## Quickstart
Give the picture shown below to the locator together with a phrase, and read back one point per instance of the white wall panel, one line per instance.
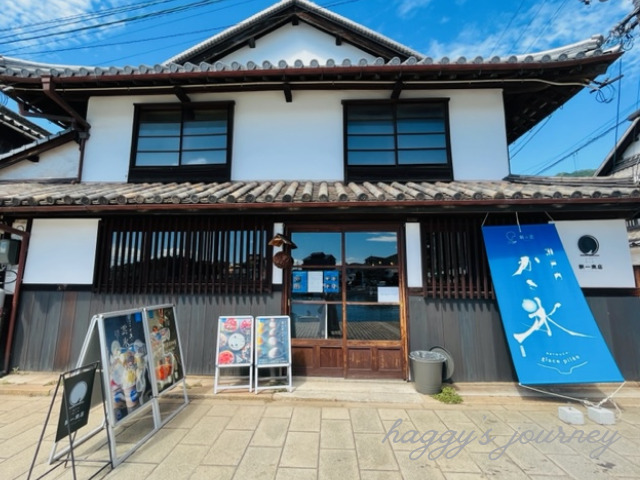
(300, 42)
(61, 251)
(60, 162)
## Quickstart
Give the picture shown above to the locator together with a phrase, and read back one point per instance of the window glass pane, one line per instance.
(363, 285)
(372, 158)
(158, 144)
(371, 248)
(162, 159)
(422, 157)
(420, 125)
(316, 248)
(205, 157)
(206, 127)
(420, 110)
(371, 142)
(159, 129)
(370, 127)
(373, 322)
(316, 320)
(421, 141)
(204, 142)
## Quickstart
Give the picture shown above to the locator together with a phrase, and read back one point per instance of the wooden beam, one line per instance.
(181, 94)
(288, 96)
(397, 90)
(50, 91)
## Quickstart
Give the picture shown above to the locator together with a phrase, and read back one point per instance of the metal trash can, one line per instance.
(427, 370)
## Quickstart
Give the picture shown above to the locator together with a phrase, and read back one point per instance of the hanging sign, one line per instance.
(599, 252)
(551, 332)
(166, 354)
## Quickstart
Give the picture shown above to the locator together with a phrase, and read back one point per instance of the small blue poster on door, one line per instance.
(552, 334)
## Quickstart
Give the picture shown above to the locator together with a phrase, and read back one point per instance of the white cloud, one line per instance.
(34, 23)
(407, 7)
(537, 29)
(383, 238)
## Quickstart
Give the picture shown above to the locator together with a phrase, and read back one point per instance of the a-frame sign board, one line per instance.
(273, 351)
(77, 401)
(142, 356)
(234, 351)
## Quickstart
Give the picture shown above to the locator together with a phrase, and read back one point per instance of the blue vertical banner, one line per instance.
(551, 332)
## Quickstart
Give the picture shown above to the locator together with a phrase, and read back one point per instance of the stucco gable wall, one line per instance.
(297, 42)
(58, 163)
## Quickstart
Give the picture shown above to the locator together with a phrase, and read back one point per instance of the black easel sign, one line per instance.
(76, 402)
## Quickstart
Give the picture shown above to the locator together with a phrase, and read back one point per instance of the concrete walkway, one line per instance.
(338, 429)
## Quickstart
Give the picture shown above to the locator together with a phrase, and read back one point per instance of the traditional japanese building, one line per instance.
(380, 163)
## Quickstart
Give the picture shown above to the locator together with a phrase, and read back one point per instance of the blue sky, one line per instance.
(578, 136)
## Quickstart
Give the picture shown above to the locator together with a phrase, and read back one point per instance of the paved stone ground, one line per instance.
(342, 431)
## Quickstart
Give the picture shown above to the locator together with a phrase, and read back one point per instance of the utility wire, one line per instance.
(546, 26)
(506, 29)
(135, 18)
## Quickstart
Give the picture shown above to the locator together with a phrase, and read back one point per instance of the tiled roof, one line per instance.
(21, 124)
(306, 193)
(14, 67)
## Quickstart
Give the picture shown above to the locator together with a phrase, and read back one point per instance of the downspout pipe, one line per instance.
(16, 295)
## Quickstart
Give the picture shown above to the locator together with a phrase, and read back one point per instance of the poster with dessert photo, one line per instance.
(129, 385)
(235, 338)
(166, 352)
(273, 341)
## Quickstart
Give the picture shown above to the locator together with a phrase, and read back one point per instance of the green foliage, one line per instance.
(588, 172)
(448, 395)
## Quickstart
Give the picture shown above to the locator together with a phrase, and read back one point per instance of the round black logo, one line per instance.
(588, 245)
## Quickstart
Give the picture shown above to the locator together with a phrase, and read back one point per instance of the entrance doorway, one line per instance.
(346, 302)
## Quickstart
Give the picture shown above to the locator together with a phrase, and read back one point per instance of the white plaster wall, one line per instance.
(61, 251)
(478, 135)
(108, 149)
(61, 162)
(275, 140)
(303, 140)
(300, 42)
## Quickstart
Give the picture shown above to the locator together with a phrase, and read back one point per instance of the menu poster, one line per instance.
(235, 338)
(129, 386)
(166, 355)
(273, 341)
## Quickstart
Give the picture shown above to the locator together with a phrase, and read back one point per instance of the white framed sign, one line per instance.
(598, 251)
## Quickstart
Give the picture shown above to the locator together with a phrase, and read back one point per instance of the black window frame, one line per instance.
(414, 172)
(207, 173)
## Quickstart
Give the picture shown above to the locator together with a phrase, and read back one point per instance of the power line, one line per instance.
(504, 31)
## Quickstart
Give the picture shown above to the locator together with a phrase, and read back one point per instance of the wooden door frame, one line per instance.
(345, 344)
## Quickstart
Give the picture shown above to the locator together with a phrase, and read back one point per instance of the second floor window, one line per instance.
(182, 142)
(397, 140)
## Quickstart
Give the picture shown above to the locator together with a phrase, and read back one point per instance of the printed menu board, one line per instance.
(273, 341)
(235, 339)
(127, 363)
(166, 354)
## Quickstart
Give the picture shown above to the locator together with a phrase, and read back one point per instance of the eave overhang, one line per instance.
(512, 194)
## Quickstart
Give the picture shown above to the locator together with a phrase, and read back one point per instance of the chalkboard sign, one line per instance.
(126, 361)
(166, 357)
(273, 340)
(235, 339)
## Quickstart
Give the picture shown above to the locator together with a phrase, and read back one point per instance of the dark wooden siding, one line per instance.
(52, 325)
(471, 330)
